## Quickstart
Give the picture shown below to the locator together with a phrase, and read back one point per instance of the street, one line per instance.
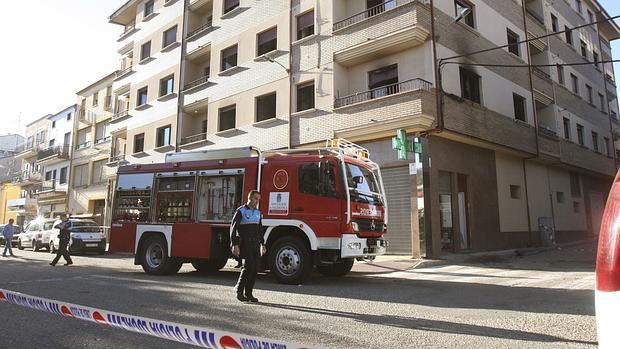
(540, 301)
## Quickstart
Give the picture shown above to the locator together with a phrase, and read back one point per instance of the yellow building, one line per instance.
(8, 192)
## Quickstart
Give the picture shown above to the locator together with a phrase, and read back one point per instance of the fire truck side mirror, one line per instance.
(358, 180)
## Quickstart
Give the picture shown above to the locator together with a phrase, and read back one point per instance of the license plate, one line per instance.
(92, 245)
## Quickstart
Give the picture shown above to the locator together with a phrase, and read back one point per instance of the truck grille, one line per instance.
(369, 225)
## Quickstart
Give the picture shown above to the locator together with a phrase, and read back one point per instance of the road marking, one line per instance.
(201, 337)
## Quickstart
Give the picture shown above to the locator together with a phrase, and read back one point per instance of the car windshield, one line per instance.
(363, 185)
(83, 224)
(48, 225)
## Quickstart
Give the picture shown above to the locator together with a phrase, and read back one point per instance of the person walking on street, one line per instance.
(8, 232)
(64, 236)
(246, 237)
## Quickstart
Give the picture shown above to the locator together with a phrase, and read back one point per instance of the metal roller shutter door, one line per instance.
(398, 189)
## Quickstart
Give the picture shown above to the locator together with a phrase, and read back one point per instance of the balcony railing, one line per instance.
(197, 82)
(194, 138)
(83, 145)
(48, 186)
(120, 115)
(536, 16)
(541, 73)
(371, 12)
(545, 131)
(200, 29)
(128, 29)
(405, 86)
(123, 72)
(24, 147)
(60, 151)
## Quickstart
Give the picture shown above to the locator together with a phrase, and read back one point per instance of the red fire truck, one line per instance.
(321, 208)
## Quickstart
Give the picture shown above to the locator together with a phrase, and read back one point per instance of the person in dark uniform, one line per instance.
(64, 236)
(246, 238)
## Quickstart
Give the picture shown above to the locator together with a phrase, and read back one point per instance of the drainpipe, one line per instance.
(438, 77)
(290, 75)
(71, 145)
(181, 96)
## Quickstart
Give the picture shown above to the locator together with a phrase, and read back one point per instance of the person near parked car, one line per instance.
(8, 232)
(64, 236)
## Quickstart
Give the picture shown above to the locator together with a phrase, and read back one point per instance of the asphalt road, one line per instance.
(541, 301)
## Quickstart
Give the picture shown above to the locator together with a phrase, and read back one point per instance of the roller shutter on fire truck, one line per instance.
(397, 183)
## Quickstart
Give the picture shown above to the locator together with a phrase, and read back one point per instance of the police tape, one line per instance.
(205, 338)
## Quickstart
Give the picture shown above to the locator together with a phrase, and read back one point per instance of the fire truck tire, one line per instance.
(154, 257)
(210, 266)
(290, 260)
(341, 268)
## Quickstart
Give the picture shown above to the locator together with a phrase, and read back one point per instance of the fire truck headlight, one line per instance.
(355, 226)
(355, 245)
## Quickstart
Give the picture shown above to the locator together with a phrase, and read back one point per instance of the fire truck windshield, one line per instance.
(363, 185)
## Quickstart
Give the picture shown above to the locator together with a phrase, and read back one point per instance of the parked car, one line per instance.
(86, 236)
(608, 272)
(36, 235)
(18, 230)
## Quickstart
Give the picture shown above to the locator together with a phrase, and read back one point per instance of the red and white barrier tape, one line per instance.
(205, 338)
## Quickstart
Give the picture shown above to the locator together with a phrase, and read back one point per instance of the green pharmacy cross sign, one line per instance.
(405, 146)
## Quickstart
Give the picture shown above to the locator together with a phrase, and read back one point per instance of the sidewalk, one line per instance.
(395, 263)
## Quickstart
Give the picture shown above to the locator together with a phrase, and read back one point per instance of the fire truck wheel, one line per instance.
(290, 260)
(210, 265)
(154, 257)
(337, 269)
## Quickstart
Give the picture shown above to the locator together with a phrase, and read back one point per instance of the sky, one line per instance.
(54, 48)
(57, 47)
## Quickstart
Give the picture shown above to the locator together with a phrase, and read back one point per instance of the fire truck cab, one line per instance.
(321, 208)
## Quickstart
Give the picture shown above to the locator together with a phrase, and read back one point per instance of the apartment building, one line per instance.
(88, 186)
(511, 151)
(54, 161)
(9, 192)
(31, 175)
(9, 166)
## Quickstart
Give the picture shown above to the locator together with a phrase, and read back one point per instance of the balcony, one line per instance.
(394, 30)
(196, 83)
(120, 116)
(22, 205)
(201, 29)
(25, 150)
(86, 116)
(83, 145)
(369, 13)
(129, 30)
(52, 154)
(28, 177)
(579, 156)
(123, 72)
(50, 188)
(543, 87)
(378, 112)
(193, 140)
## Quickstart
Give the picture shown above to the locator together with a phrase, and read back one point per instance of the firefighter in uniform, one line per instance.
(246, 237)
(64, 236)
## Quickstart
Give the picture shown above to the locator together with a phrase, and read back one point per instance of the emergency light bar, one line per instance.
(349, 148)
(215, 154)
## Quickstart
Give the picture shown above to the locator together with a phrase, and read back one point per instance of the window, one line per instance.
(53, 124)
(589, 92)
(83, 138)
(98, 176)
(607, 150)
(580, 134)
(383, 81)
(575, 82)
(96, 99)
(166, 86)
(68, 116)
(143, 96)
(595, 141)
(305, 25)
(575, 185)
(579, 8)
(595, 58)
(318, 179)
(305, 96)
(163, 136)
(230, 5)
(462, 6)
(145, 51)
(519, 107)
(266, 107)
(138, 143)
(149, 8)
(267, 41)
(227, 118)
(569, 35)
(52, 142)
(63, 175)
(170, 37)
(515, 191)
(101, 132)
(566, 128)
(513, 42)
(601, 99)
(80, 175)
(554, 24)
(470, 85)
(584, 49)
(559, 197)
(67, 139)
(48, 175)
(590, 16)
(229, 58)
(560, 74)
